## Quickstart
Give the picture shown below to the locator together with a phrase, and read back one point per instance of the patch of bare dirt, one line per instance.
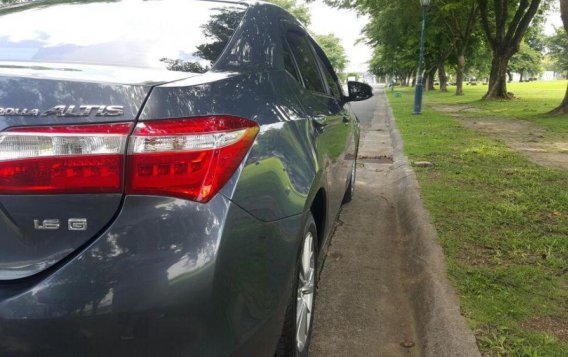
(531, 140)
(552, 325)
(453, 109)
(535, 142)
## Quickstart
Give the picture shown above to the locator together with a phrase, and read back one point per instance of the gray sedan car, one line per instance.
(170, 174)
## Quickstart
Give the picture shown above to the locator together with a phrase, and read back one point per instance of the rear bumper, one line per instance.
(168, 277)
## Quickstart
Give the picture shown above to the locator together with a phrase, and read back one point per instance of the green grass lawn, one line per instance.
(533, 100)
(502, 220)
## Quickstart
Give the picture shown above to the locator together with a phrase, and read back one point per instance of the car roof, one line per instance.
(18, 3)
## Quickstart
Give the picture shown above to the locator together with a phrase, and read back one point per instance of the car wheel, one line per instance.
(298, 324)
(349, 193)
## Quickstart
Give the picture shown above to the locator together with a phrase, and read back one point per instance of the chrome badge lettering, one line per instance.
(25, 112)
(73, 224)
(66, 111)
(46, 224)
(77, 224)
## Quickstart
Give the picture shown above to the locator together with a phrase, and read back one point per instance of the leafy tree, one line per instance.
(549, 64)
(564, 14)
(563, 107)
(394, 30)
(388, 61)
(331, 45)
(394, 33)
(558, 50)
(438, 48)
(460, 18)
(535, 37)
(219, 28)
(479, 61)
(528, 60)
(300, 11)
(505, 23)
(184, 66)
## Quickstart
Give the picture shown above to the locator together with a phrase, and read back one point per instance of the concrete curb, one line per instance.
(442, 329)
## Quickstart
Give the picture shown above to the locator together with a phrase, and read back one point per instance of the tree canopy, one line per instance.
(558, 49)
(505, 23)
(300, 11)
(331, 45)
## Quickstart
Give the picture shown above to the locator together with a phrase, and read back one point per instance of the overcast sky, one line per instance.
(346, 25)
(553, 20)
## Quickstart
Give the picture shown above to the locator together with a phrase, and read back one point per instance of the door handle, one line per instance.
(320, 120)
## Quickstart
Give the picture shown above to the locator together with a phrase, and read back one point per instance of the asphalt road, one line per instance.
(364, 110)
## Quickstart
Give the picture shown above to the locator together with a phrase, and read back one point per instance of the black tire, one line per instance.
(287, 345)
(350, 192)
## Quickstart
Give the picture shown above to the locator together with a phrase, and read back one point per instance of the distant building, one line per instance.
(368, 77)
(551, 75)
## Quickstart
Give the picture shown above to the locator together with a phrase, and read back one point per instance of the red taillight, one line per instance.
(188, 158)
(63, 159)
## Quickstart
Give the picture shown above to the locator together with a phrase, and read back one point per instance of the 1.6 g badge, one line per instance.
(73, 224)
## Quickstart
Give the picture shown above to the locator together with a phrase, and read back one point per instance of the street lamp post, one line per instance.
(420, 78)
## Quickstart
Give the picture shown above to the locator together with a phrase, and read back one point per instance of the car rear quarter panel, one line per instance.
(277, 177)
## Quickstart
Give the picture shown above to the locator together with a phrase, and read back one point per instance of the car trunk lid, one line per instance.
(81, 107)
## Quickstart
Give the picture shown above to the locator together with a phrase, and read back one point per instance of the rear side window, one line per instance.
(307, 64)
(289, 64)
(177, 35)
(329, 74)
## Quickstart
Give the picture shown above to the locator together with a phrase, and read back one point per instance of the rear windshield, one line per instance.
(177, 35)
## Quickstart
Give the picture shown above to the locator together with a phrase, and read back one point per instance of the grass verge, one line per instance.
(502, 221)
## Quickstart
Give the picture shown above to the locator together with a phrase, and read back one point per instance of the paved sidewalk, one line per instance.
(362, 307)
(383, 290)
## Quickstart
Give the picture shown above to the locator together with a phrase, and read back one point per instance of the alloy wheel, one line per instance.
(305, 297)
(353, 177)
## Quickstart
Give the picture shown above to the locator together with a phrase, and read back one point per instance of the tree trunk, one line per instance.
(563, 108)
(443, 78)
(460, 74)
(521, 79)
(433, 78)
(509, 23)
(430, 79)
(564, 13)
(498, 77)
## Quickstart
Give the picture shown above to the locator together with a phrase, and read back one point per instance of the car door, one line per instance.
(345, 133)
(325, 111)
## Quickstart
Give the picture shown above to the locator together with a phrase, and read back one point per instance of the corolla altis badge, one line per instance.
(66, 111)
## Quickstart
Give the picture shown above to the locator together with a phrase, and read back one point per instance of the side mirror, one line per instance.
(359, 91)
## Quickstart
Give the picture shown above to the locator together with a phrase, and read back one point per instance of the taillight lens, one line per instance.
(188, 158)
(63, 159)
